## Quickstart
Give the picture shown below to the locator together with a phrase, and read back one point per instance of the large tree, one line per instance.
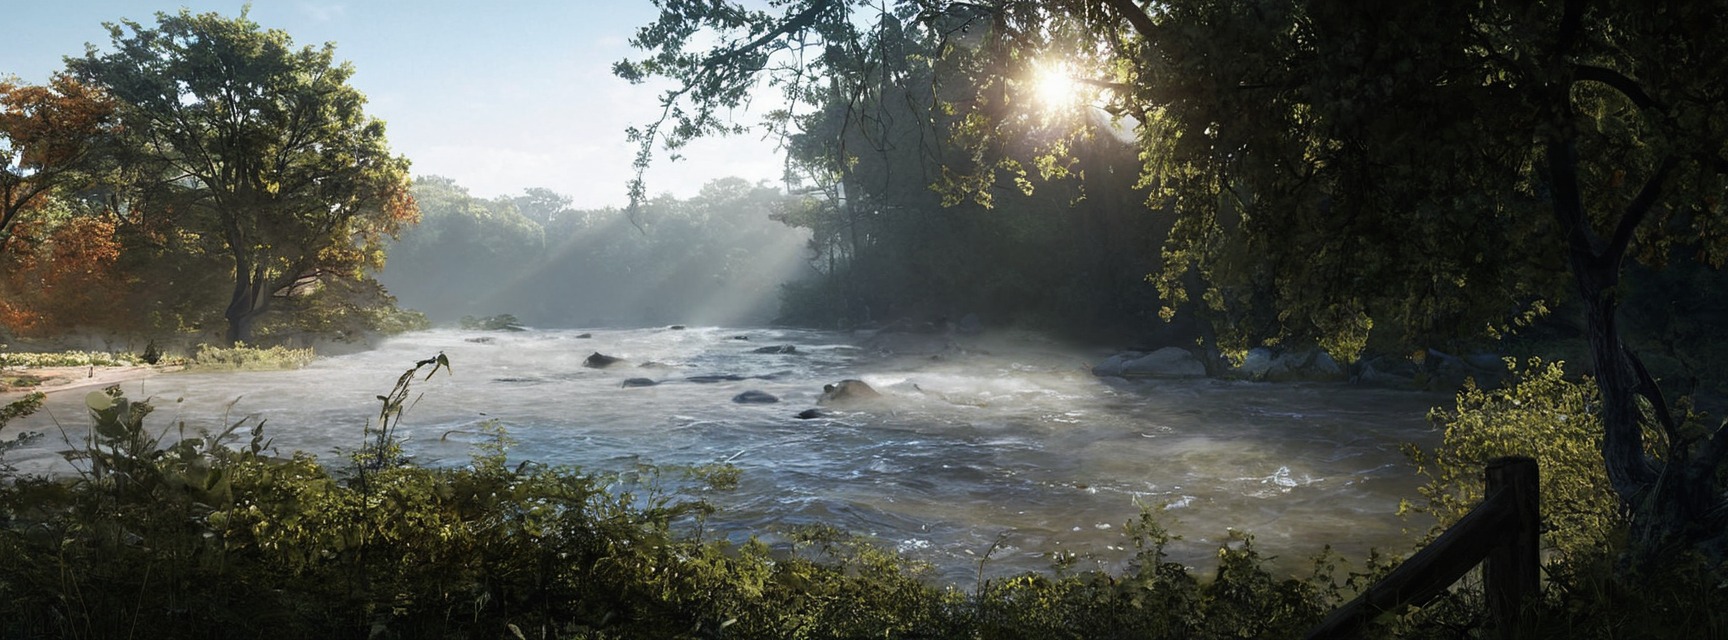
(262, 148)
(1428, 169)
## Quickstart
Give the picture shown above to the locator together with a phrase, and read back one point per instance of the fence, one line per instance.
(1500, 533)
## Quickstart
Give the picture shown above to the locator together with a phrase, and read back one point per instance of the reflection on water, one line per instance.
(1005, 445)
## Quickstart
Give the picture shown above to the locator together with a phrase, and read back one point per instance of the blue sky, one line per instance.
(500, 96)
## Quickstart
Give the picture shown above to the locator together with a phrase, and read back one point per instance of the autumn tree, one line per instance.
(262, 148)
(1425, 169)
(49, 139)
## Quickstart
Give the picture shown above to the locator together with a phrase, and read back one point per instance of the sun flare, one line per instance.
(1054, 86)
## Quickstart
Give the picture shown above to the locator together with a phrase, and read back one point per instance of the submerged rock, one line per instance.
(784, 348)
(599, 360)
(755, 397)
(638, 382)
(810, 414)
(1169, 362)
(711, 379)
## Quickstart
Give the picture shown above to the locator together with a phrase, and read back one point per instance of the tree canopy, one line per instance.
(48, 137)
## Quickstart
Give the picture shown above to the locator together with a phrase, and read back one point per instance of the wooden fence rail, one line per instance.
(1501, 532)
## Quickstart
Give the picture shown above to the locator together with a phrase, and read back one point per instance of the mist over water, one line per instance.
(1005, 445)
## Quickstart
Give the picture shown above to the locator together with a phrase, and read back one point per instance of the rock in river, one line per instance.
(600, 361)
(845, 392)
(755, 397)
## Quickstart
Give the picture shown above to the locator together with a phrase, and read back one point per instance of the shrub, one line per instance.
(243, 358)
(69, 359)
(1540, 414)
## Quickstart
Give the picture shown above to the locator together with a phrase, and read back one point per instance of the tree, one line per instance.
(49, 136)
(1427, 169)
(262, 148)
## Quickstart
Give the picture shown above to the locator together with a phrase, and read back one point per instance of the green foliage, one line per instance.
(69, 359)
(14, 410)
(243, 358)
(1540, 414)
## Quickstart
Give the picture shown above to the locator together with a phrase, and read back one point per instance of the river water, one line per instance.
(1003, 446)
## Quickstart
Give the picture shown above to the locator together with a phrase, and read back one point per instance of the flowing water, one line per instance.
(1004, 446)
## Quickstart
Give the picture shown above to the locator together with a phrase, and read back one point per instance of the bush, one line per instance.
(1539, 414)
(69, 359)
(243, 358)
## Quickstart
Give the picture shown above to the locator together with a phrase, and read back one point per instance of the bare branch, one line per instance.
(1135, 16)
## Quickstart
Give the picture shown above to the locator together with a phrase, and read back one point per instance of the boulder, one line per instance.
(755, 397)
(1255, 365)
(1304, 365)
(599, 360)
(638, 382)
(810, 414)
(846, 392)
(1169, 362)
(1385, 372)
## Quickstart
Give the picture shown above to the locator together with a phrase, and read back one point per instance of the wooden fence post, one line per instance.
(1502, 533)
(1511, 576)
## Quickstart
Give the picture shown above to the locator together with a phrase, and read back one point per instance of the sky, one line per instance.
(500, 96)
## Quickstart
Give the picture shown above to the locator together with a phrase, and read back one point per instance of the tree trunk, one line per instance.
(248, 301)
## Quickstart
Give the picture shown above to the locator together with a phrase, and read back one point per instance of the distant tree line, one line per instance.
(715, 258)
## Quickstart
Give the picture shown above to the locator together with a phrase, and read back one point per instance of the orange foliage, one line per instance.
(49, 133)
(63, 277)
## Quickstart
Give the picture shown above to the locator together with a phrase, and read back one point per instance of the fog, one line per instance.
(714, 259)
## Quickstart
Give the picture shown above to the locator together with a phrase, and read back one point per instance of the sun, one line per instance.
(1053, 85)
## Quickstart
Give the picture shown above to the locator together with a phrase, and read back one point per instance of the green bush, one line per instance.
(1588, 591)
(69, 359)
(1540, 414)
(243, 358)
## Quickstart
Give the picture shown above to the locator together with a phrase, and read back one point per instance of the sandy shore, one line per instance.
(58, 379)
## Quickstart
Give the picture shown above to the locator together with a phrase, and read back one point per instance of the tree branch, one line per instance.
(1618, 81)
(798, 23)
(1637, 211)
(1652, 392)
(1135, 16)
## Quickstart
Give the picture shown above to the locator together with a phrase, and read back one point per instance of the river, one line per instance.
(1003, 446)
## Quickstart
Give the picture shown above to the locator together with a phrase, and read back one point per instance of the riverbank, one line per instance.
(21, 381)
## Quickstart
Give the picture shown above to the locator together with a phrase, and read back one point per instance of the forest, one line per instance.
(1397, 183)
